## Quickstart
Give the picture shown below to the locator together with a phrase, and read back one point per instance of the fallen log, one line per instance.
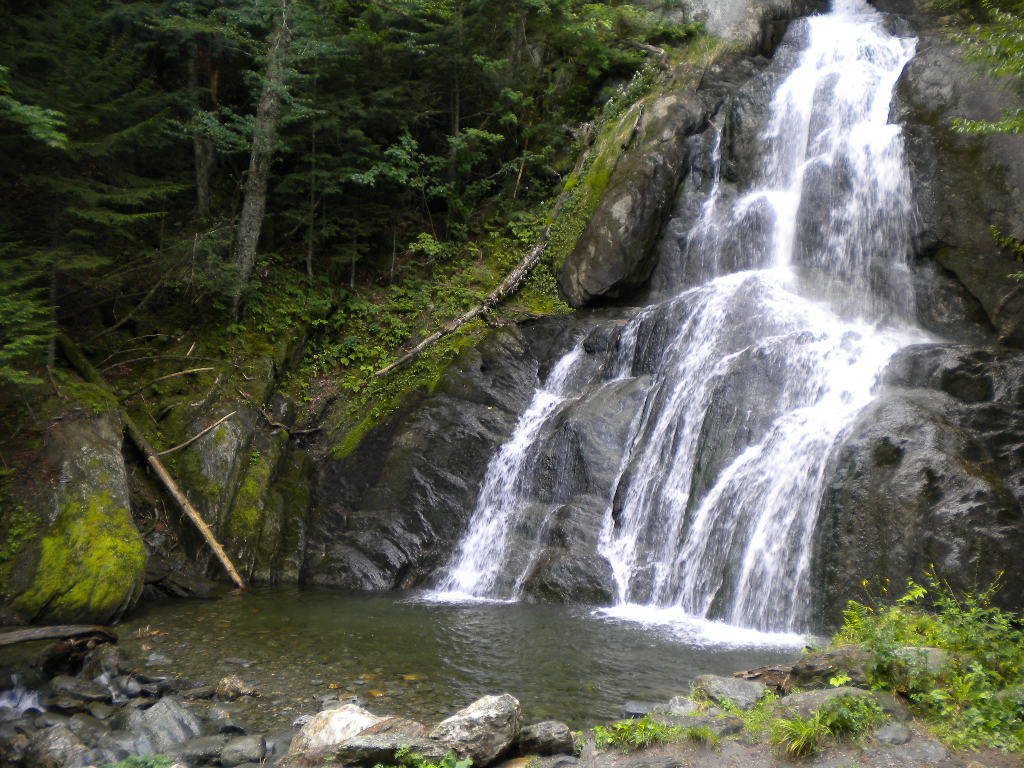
(57, 632)
(84, 367)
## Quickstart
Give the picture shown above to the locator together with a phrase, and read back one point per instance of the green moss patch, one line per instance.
(91, 565)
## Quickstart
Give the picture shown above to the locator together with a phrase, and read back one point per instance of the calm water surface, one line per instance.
(422, 659)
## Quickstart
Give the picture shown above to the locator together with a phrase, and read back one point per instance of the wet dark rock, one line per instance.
(963, 183)
(104, 660)
(931, 472)
(204, 749)
(639, 708)
(893, 733)
(245, 749)
(549, 737)
(815, 669)
(101, 711)
(742, 693)
(166, 723)
(127, 742)
(223, 716)
(484, 730)
(83, 690)
(199, 692)
(55, 747)
(87, 728)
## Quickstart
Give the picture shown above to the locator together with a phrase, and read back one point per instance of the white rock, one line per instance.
(331, 727)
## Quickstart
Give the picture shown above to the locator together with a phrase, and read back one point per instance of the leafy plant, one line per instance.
(852, 716)
(797, 737)
(700, 734)
(406, 758)
(631, 735)
(142, 761)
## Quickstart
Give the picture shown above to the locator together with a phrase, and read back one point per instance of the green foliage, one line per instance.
(142, 761)
(25, 324)
(852, 716)
(757, 720)
(975, 702)
(409, 759)
(797, 737)
(631, 735)
(700, 734)
(42, 124)
(996, 43)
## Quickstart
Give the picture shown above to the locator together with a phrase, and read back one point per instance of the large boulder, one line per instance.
(86, 562)
(614, 255)
(729, 690)
(484, 730)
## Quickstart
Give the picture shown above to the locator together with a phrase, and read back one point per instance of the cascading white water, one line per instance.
(484, 565)
(762, 368)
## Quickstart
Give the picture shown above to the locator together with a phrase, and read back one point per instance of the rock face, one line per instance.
(617, 252)
(484, 730)
(930, 473)
(90, 562)
(964, 184)
(385, 516)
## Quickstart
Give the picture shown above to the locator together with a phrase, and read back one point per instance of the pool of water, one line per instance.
(424, 659)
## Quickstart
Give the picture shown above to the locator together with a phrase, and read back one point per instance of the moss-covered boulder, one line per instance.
(87, 562)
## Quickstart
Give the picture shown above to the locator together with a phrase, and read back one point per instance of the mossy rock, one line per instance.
(90, 561)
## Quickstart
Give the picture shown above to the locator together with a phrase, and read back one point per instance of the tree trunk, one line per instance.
(202, 146)
(268, 115)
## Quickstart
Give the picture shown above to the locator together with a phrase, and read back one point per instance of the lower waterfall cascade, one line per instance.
(769, 327)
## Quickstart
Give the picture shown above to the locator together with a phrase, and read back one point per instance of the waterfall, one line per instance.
(777, 315)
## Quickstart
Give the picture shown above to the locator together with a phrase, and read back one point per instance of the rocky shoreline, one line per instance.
(83, 703)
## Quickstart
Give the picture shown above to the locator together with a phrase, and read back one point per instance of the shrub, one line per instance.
(974, 704)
